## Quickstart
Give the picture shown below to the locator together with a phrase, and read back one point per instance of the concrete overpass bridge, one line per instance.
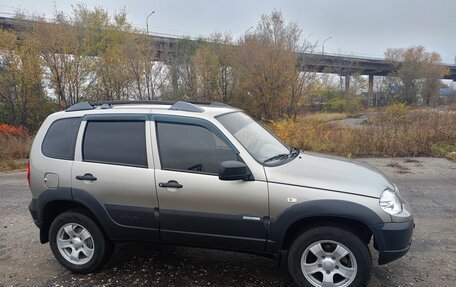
(343, 65)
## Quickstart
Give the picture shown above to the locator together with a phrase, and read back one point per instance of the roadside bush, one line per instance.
(395, 113)
(336, 102)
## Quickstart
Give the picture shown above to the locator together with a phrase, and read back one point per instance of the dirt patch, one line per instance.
(356, 122)
(399, 168)
(408, 160)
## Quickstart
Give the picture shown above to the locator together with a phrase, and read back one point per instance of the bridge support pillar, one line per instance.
(370, 93)
(347, 85)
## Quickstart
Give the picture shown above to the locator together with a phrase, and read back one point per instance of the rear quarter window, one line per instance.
(60, 139)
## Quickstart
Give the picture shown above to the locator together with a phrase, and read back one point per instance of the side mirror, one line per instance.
(234, 170)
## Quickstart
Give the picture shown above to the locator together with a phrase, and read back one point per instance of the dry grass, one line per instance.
(13, 164)
(14, 150)
(394, 131)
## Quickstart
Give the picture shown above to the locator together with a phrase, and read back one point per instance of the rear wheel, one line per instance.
(78, 243)
(329, 256)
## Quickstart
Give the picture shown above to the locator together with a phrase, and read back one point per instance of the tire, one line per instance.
(316, 249)
(78, 243)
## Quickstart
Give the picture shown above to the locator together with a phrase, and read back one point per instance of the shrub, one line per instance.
(336, 102)
(394, 114)
(11, 130)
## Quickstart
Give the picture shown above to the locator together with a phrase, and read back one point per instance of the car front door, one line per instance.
(195, 206)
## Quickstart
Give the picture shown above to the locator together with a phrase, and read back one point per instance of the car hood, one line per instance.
(330, 173)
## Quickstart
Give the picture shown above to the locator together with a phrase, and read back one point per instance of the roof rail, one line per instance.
(100, 103)
(185, 106)
(190, 106)
(80, 107)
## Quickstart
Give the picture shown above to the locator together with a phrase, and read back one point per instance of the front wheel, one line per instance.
(329, 256)
(78, 243)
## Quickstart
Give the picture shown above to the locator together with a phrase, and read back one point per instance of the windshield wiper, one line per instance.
(293, 152)
(276, 157)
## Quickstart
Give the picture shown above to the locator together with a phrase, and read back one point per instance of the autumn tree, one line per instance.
(63, 50)
(222, 46)
(212, 67)
(182, 83)
(265, 68)
(433, 73)
(208, 74)
(22, 98)
(107, 35)
(418, 71)
(268, 74)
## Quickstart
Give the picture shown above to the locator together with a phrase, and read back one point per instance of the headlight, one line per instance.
(390, 202)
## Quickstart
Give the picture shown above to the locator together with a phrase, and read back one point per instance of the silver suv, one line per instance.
(207, 175)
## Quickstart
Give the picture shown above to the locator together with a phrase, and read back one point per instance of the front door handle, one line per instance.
(171, 184)
(87, 176)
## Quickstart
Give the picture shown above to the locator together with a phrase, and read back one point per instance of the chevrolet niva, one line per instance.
(207, 175)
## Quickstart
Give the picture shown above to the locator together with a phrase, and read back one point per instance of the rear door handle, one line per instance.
(87, 176)
(171, 184)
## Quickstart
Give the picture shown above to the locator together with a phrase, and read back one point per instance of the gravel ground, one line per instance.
(429, 184)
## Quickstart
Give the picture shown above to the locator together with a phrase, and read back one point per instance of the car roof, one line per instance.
(192, 109)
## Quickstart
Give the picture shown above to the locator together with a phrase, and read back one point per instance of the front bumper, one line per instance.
(392, 240)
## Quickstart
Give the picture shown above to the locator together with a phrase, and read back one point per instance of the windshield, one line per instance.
(259, 142)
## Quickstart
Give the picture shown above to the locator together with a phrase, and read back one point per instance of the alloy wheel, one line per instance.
(328, 263)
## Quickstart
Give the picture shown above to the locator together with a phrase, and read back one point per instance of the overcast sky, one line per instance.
(361, 27)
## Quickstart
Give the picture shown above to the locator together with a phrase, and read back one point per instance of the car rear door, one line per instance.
(113, 166)
(196, 207)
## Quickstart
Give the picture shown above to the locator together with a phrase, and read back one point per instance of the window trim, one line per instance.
(191, 122)
(71, 158)
(194, 121)
(115, 119)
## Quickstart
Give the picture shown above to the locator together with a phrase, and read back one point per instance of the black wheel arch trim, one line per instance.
(113, 229)
(318, 208)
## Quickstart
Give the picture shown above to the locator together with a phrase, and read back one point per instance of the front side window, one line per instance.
(186, 147)
(262, 145)
(115, 142)
(60, 139)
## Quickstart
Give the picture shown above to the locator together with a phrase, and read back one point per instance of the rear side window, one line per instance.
(60, 139)
(115, 142)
